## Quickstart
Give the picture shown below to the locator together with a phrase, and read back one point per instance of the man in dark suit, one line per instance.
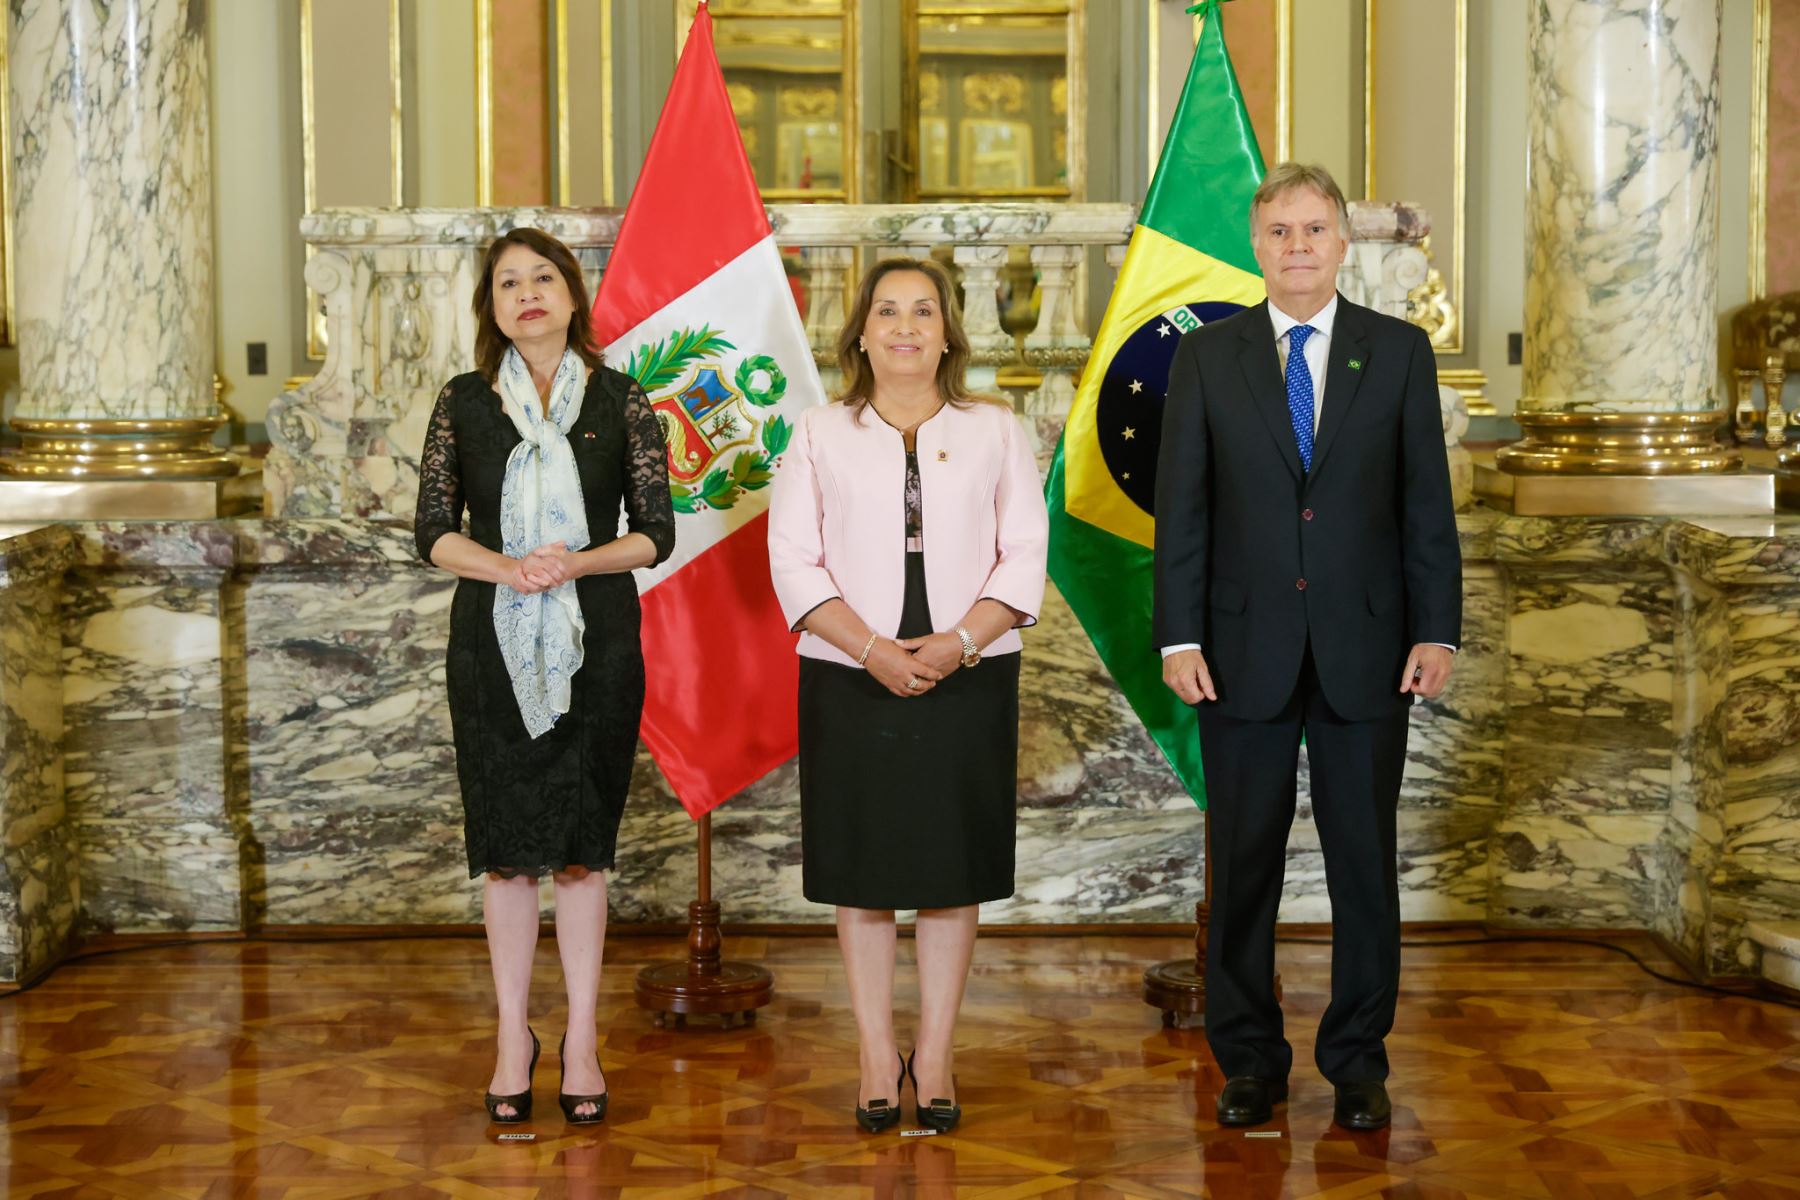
(1308, 581)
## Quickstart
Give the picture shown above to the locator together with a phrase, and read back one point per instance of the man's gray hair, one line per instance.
(1292, 176)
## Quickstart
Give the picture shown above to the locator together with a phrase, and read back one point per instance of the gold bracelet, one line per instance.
(867, 646)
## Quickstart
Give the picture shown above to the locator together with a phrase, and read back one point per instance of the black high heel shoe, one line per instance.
(940, 1115)
(521, 1103)
(571, 1103)
(881, 1116)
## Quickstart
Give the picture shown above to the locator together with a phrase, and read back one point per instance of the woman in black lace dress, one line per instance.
(541, 445)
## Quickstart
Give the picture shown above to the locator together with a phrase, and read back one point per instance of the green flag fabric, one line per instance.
(1188, 262)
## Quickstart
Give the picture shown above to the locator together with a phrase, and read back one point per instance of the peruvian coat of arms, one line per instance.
(723, 440)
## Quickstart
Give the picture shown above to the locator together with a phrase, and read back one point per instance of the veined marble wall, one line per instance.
(40, 889)
(149, 737)
(1652, 729)
(1588, 689)
(251, 727)
(347, 729)
(1746, 762)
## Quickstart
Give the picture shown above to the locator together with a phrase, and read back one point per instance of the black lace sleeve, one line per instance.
(648, 509)
(440, 508)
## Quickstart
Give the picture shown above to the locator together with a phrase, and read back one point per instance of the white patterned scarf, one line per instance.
(541, 503)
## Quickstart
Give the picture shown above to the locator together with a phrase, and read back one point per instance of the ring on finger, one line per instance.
(912, 685)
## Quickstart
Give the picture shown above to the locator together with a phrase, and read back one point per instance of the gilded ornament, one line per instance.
(1429, 305)
(1745, 381)
(743, 102)
(988, 92)
(1774, 374)
(809, 104)
(931, 92)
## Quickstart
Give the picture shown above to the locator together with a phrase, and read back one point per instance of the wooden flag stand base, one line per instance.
(1178, 987)
(703, 985)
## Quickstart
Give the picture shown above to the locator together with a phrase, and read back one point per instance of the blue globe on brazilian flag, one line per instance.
(1188, 263)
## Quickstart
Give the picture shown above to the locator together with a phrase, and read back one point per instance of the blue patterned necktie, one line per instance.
(1300, 392)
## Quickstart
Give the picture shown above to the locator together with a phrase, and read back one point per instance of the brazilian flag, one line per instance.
(1189, 262)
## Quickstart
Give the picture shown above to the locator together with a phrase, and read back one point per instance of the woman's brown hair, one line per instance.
(490, 344)
(953, 366)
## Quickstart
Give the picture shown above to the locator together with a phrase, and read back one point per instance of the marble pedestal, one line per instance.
(1749, 493)
(32, 500)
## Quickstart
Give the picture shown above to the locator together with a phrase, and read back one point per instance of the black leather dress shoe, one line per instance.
(1362, 1105)
(1247, 1100)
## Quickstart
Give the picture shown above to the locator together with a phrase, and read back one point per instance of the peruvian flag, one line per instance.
(694, 303)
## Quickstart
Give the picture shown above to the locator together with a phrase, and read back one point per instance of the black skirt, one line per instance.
(532, 806)
(908, 803)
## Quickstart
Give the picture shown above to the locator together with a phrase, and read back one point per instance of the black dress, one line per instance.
(909, 802)
(531, 806)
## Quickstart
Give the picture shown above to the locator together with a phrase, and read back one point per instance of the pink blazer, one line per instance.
(837, 519)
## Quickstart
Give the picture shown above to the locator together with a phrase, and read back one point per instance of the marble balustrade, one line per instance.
(227, 724)
(396, 287)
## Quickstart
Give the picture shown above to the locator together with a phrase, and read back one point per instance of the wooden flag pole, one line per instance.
(703, 984)
(1178, 987)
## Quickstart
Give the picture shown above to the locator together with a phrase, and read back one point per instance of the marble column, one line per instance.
(113, 267)
(1622, 198)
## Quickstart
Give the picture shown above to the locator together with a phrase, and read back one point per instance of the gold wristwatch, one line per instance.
(971, 652)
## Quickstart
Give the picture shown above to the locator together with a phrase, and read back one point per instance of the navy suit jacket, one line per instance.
(1256, 559)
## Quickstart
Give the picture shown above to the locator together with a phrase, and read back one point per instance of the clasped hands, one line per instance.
(542, 569)
(1426, 674)
(923, 662)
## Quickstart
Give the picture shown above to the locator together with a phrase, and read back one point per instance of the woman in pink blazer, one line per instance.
(907, 536)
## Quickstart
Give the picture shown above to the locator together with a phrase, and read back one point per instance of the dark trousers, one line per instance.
(1250, 784)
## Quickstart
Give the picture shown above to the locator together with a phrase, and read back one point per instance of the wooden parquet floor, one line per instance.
(354, 1070)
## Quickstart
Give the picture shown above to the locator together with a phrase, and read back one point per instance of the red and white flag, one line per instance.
(694, 303)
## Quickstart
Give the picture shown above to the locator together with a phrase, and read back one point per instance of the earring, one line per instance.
(863, 345)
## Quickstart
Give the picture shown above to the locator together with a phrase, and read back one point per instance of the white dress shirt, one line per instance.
(1315, 350)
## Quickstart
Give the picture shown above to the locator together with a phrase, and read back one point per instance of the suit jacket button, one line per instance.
(1300, 585)
(1306, 514)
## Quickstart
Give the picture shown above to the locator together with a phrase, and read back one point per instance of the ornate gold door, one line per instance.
(866, 101)
(990, 100)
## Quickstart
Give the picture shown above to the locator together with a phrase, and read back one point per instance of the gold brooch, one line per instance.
(943, 456)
